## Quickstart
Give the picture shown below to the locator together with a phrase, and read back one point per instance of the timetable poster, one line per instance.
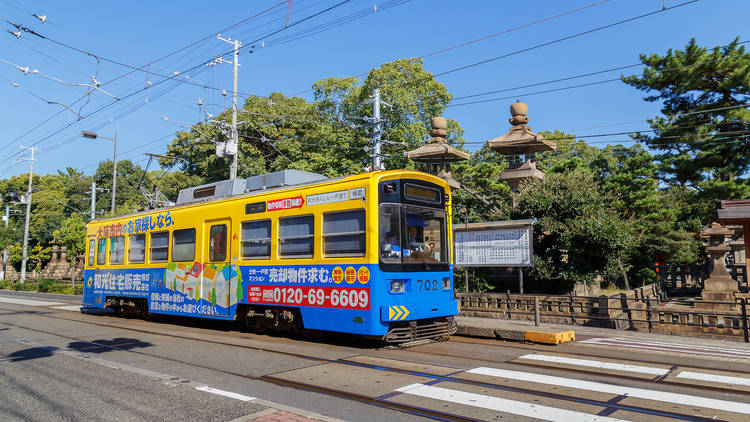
(493, 248)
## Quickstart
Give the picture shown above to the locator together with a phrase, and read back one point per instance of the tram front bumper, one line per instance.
(410, 312)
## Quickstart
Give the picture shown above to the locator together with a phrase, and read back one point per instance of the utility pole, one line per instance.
(5, 249)
(377, 157)
(28, 214)
(93, 199)
(232, 145)
(114, 178)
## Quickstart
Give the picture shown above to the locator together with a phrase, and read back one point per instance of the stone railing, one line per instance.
(642, 309)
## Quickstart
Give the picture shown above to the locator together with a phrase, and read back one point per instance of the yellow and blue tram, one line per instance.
(368, 254)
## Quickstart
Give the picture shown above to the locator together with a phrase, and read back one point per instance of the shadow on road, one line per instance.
(29, 354)
(104, 345)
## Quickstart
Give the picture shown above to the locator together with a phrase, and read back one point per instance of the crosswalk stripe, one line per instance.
(501, 405)
(669, 347)
(618, 390)
(597, 364)
(28, 302)
(723, 379)
(666, 345)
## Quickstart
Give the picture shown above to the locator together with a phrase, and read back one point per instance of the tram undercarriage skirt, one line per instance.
(402, 332)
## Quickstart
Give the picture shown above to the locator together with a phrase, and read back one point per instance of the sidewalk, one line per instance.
(504, 329)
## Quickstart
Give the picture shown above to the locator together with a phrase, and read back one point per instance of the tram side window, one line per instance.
(137, 249)
(296, 237)
(92, 251)
(344, 233)
(183, 245)
(160, 247)
(217, 247)
(256, 239)
(101, 252)
(117, 250)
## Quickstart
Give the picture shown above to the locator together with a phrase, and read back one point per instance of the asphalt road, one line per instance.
(59, 364)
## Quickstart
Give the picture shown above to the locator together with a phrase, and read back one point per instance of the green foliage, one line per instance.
(10, 235)
(483, 195)
(578, 233)
(44, 285)
(48, 285)
(72, 235)
(702, 133)
(327, 136)
(127, 198)
(24, 287)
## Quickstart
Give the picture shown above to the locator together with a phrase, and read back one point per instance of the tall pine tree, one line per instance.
(702, 135)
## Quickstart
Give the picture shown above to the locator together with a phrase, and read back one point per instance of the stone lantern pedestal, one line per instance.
(719, 286)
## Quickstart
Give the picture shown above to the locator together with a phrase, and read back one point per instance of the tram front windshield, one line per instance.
(412, 235)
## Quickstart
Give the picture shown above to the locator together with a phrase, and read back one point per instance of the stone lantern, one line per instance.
(719, 286)
(437, 154)
(520, 140)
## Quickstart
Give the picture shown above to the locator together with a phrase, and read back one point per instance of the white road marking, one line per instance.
(619, 390)
(225, 393)
(135, 370)
(501, 405)
(28, 302)
(654, 345)
(723, 379)
(75, 308)
(597, 364)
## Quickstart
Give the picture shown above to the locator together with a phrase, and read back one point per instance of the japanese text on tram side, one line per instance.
(122, 282)
(289, 275)
(137, 225)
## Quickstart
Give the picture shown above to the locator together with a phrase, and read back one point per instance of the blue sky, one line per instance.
(135, 33)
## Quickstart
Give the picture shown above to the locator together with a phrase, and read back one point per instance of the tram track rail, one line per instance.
(380, 402)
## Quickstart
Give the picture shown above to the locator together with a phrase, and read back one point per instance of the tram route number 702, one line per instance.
(428, 285)
(323, 297)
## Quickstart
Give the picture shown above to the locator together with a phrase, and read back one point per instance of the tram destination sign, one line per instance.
(494, 244)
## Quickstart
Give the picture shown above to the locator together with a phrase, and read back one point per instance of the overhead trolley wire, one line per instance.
(146, 65)
(558, 40)
(174, 76)
(516, 28)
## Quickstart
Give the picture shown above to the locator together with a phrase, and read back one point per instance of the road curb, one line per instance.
(532, 336)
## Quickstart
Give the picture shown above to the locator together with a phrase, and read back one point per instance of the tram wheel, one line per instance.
(260, 325)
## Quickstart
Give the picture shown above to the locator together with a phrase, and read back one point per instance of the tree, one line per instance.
(127, 197)
(327, 136)
(72, 235)
(276, 133)
(578, 233)
(702, 135)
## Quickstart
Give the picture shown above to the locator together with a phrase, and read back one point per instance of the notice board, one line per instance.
(493, 247)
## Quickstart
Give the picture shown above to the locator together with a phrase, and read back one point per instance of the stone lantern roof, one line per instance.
(715, 236)
(520, 139)
(437, 153)
(437, 149)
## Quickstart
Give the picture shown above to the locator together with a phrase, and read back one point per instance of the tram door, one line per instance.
(218, 271)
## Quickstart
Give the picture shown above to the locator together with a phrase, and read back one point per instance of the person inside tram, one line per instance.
(414, 241)
(391, 247)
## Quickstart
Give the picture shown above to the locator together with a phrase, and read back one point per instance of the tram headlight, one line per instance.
(397, 286)
(446, 283)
